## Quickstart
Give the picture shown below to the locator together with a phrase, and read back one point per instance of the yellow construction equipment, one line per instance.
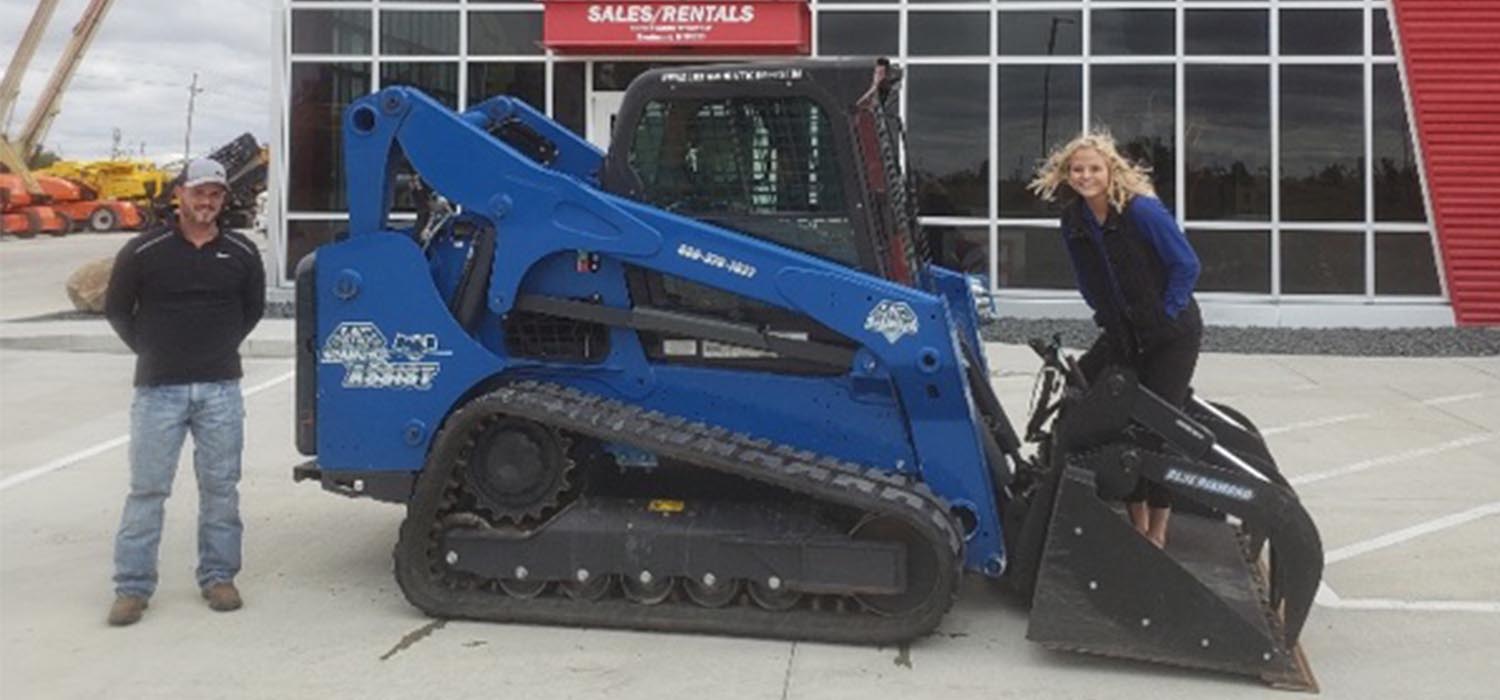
(137, 181)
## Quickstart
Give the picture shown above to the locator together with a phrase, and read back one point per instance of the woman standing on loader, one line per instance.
(1136, 271)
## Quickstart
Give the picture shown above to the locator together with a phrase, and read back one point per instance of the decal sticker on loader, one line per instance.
(733, 75)
(892, 319)
(717, 261)
(372, 363)
(1210, 485)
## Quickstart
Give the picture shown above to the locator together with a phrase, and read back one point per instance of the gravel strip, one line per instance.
(1354, 342)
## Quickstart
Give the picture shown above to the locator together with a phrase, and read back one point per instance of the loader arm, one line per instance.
(540, 209)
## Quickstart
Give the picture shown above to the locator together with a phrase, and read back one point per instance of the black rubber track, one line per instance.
(426, 582)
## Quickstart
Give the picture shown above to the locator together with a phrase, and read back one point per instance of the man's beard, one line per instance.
(202, 217)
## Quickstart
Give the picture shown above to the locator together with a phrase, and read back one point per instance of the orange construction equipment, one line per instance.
(21, 216)
(34, 204)
(64, 207)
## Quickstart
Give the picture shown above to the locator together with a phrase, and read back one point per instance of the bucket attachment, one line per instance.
(1209, 600)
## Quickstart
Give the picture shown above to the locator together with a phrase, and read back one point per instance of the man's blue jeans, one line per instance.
(160, 419)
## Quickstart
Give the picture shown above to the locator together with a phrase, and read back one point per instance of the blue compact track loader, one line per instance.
(710, 382)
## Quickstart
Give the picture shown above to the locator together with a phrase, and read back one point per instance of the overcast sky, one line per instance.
(135, 76)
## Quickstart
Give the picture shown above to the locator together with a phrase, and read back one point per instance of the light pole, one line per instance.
(187, 139)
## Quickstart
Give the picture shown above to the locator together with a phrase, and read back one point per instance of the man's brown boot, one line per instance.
(223, 597)
(127, 610)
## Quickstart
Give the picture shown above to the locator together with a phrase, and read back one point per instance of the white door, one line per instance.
(603, 108)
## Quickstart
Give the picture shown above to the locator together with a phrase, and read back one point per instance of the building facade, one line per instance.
(1277, 130)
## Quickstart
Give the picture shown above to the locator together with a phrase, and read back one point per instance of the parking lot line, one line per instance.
(1392, 459)
(1394, 538)
(107, 445)
(1453, 399)
(1315, 423)
(1328, 598)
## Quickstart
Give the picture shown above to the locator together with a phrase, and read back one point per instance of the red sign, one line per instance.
(674, 26)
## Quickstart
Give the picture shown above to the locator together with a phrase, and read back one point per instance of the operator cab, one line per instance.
(802, 154)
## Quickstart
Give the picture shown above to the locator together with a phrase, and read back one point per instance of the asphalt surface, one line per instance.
(1394, 458)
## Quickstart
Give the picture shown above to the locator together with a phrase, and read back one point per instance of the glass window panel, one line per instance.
(1322, 262)
(1137, 105)
(567, 96)
(524, 80)
(762, 165)
(302, 237)
(1322, 32)
(947, 133)
(411, 33)
(1058, 33)
(1398, 192)
(315, 171)
(1039, 108)
(962, 248)
(438, 80)
(1404, 264)
(1228, 142)
(505, 33)
(948, 34)
(1226, 32)
(1322, 143)
(1380, 34)
(859, 34)
(1233, 261)
(1035, 258)
(331, 31)
(1133, 32)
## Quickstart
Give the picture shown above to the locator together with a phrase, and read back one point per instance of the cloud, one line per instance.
(136, 74)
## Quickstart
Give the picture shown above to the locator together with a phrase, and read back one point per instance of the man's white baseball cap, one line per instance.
(204, 171)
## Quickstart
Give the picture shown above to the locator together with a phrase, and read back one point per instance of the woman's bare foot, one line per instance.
(1139, 516)
(1156, 530)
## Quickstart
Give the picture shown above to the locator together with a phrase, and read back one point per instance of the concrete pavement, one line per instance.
(1394, 458)
(33, 271)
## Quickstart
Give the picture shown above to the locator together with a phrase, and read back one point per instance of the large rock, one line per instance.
(87, 284)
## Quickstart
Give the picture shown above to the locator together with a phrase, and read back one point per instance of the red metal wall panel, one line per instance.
(1451, 52)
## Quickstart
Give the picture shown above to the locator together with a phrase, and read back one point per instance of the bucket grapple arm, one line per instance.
(1207, 600)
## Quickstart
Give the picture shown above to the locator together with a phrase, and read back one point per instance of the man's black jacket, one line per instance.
(185, 310)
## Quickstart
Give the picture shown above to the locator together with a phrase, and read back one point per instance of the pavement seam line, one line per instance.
(1289, 367)
(67, 461)
(786, 681)
(414, 636)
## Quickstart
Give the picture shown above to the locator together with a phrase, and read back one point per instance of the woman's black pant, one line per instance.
(1166, 368)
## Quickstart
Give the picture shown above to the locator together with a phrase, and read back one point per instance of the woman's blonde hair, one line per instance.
(1126, 179)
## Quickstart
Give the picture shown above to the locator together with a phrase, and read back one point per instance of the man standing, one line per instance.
(183, 297)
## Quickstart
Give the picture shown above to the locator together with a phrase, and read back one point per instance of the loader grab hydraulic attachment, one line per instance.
(1101, 588)
(710, 382)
